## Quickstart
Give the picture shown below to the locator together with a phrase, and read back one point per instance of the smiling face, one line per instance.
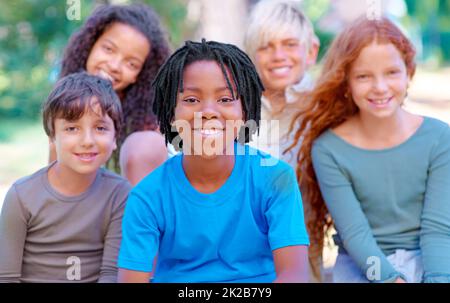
(378, 80)
(83, 145)
(207, 110)
(118, 55)
(282, 62)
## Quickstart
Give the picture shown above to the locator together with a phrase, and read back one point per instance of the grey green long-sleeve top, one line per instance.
(395, 198)
(45, 236)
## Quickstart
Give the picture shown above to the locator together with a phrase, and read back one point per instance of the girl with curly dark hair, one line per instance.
(126, 45)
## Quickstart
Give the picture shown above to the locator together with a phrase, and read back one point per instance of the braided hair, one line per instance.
(169, 81)
(137, 99)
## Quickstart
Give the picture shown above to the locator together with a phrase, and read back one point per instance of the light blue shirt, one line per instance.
(225, 236)
(395, 198)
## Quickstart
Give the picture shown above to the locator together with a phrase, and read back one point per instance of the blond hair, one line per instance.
(271, 18)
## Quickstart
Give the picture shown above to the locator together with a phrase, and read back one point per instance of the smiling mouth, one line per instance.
(209, 132)
(102, 74)
(280, 71)
(380, 101)
(86, 156)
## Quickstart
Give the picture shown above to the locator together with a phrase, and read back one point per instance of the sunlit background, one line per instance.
(33, 34)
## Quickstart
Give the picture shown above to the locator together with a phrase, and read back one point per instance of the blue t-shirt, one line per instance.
(225, 236)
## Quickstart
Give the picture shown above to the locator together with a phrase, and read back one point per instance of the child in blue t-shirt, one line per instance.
(220, 211)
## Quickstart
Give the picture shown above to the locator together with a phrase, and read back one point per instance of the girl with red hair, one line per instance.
(378, 173)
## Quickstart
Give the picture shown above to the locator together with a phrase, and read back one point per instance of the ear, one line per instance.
(313, 52)
(115, 144)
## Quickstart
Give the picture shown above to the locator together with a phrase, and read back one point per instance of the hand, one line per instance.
(399, 280)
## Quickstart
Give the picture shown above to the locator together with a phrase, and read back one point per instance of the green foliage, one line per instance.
(315, 9)
(173, 14)
(33, 34)
(434, 19)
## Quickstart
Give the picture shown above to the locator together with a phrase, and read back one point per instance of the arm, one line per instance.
(349, 218)
(108, 269)
(140, 154)
(132, 276)
(435, 220)
(13, 232)
(291, 264)
(287, 232)
(140, 239)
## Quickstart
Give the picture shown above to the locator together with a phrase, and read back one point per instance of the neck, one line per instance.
(121, 95)
(276, 98)
(208, 175)
(381, 129)
(68, 182)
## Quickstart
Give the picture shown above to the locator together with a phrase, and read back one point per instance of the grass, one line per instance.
(23, 149)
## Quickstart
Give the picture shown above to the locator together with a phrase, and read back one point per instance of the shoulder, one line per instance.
(155, 180)
(437, 135)
(113, 181)
(154, 190)
(143, 138)
(266, 168)
(434, 133)
(27, 190)
(325, 141)
(31, 181)
(436, 125)
(347, 131)
(142, 145)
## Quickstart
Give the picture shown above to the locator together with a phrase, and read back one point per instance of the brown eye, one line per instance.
(107, 48)
(226, 100)
(362, 77)
(190, 100)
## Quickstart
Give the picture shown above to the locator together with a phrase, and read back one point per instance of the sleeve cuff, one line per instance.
(437, 278)
(275, 244)
(133, 265)
(391, 278)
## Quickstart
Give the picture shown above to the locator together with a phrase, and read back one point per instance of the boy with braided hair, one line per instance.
(218, 211)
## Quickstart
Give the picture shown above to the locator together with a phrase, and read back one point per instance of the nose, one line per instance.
(278, 53)
(380, 84)
(87, 139)
(209, 110)
(114, 64)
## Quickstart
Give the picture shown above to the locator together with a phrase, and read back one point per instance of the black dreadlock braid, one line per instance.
(169, 81)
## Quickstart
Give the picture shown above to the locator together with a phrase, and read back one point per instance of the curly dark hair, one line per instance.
(138, 97)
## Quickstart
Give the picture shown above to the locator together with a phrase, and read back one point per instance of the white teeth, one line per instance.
(280, 70)
(86, 156)
(105, 75)
(209, 132)
(380, 101)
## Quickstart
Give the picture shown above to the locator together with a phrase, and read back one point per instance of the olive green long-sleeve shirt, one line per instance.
(48, 237)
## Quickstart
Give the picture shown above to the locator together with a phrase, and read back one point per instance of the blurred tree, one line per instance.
(315, 10)
(434, 19)
(33, 34)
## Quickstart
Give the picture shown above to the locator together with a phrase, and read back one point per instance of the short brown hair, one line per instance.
(72, 95)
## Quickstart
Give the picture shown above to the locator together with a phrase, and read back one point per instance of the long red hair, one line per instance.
(328, 105)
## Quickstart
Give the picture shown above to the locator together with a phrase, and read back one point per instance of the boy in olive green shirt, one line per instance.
(63, 223)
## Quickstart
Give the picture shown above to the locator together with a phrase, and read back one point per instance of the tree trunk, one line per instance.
(221, 20)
